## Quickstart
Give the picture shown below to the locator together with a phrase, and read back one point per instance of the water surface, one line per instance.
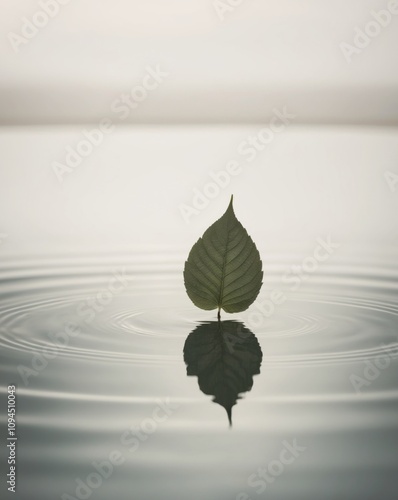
(318, 372)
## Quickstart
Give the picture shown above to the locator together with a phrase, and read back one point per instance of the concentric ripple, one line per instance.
(147, 317)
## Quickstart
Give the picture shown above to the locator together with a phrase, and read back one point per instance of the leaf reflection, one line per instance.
(224, 355)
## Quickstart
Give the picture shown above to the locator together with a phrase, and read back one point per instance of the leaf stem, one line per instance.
(219, 314)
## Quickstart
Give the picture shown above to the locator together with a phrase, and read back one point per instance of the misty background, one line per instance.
(261, 55)
(324, 173)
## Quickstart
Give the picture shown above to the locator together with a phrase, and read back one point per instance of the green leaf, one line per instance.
(224, 355)
(224, 269)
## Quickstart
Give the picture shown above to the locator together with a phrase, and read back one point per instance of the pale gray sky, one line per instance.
(279, 52)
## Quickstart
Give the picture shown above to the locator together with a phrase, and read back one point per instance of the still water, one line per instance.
(125, 390)
(113, 363)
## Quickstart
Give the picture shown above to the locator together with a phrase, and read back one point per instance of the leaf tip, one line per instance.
(229, 413)
(230, 207)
